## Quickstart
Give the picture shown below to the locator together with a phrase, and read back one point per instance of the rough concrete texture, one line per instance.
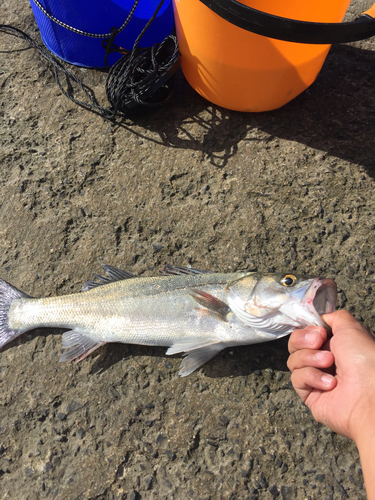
(191, 184)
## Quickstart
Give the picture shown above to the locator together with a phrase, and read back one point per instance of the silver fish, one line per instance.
(191, 311)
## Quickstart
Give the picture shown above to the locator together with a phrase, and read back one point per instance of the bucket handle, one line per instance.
(81, 32)
(291, 30)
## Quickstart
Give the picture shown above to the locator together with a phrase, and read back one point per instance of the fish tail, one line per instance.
(8, 294)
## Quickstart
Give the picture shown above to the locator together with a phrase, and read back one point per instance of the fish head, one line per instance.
(281, 300)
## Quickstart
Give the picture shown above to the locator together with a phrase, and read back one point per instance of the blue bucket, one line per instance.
(98, 17)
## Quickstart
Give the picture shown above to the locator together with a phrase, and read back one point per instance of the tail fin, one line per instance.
(8, 294)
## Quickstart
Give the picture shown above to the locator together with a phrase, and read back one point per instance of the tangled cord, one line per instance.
(144, 77)
(141, 77)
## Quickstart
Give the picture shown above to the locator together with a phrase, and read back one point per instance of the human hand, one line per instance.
(336, 377)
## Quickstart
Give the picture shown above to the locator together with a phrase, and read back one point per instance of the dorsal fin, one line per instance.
(114, 274)
(170, 270)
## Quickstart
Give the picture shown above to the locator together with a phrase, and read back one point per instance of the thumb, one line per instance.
(341, 319)
(343, 322)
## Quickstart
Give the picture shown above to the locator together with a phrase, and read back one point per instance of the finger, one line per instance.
(342, 320)
(311, 337)
(306, 379)
(308, 357)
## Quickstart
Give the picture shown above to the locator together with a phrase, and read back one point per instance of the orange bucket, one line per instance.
(238, 69)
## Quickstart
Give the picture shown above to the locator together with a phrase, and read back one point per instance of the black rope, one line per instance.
(141, 77)
(144, 77)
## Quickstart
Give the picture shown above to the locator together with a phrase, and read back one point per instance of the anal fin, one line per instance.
(78, 346)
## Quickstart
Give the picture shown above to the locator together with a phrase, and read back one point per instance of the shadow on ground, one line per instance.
(332, 115)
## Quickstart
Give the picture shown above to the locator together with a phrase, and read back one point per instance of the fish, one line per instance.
(191, 311)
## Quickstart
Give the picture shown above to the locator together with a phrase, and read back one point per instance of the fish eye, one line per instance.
(288, 280)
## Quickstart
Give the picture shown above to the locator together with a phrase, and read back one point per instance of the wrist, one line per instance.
(366, 447)
(363, 433)
(366, 443)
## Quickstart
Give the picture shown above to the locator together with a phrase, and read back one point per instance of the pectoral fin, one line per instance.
(78, 345)
(211, 303)
(196, 353)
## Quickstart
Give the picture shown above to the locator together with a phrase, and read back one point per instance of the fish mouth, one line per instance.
(321, 298)
(325, 299)
(322, 295)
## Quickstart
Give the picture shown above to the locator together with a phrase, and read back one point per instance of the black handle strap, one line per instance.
(291, 30)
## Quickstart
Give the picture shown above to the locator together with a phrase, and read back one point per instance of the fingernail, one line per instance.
(320, 355)
(310, 338)
(327, 379)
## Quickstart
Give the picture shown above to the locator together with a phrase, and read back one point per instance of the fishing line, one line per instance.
(141, 77)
